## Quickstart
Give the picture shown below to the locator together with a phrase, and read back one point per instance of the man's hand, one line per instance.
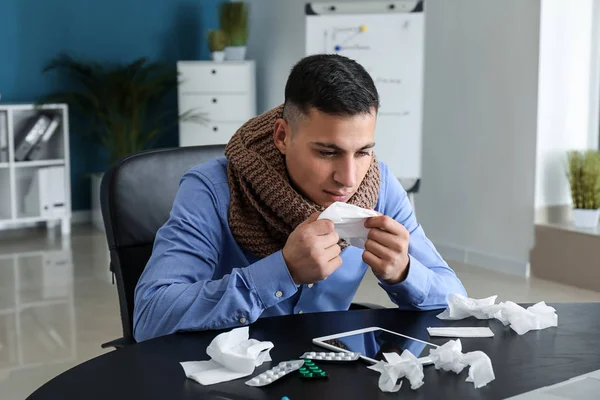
(386, 249)
(311, 251)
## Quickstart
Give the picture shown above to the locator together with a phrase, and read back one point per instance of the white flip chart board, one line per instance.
(387, 38)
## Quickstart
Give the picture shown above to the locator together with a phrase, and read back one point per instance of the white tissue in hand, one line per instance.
(396, 367)
(233, 355)
(349, 221)
(449, 357)
(538, 316)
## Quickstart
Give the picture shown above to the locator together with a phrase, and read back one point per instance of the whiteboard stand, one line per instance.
(387, 38)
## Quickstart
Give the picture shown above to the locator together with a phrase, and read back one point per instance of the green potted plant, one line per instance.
(584, 179)
(234, 22)
(216, 44)
(123, 102)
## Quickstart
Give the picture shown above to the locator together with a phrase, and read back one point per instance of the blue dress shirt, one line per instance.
(199, 278)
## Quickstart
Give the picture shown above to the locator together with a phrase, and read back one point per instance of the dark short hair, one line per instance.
(332, 84)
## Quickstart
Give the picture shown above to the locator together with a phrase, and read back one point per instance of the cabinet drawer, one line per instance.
(191, 134)
(219, 107)
(215, 77)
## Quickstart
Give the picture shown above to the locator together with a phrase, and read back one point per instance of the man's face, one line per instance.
(327, 156)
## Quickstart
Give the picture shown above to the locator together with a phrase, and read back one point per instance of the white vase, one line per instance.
(218, 56)
(585, 218)
(235, 53)
(97, 221)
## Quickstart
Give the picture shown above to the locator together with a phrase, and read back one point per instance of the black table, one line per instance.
(151, 370)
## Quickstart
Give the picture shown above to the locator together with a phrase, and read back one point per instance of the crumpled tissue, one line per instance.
(233, 355)
(396, 367)
(349, 221)
(536, 317)
(449, 357)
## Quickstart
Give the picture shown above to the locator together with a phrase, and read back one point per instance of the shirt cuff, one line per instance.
(271, 279)
(414, 289)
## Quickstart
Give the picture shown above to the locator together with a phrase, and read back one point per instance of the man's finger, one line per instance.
(387, 239)
(386, 223)
(332, 252)
(378, 250)
(321, 227)
(328, 240)
(334, 264)
(372, 260)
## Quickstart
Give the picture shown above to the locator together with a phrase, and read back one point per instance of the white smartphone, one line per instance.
(372, 342)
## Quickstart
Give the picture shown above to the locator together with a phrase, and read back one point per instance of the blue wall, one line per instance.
(34, 31)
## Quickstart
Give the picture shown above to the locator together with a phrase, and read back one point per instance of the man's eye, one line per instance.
(364, 153)
(327, 153)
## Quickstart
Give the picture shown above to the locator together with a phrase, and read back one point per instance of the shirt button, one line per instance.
(278, 293)
(243, 320)
(310, 285)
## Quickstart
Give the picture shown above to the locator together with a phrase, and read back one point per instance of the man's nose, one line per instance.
(345, 172)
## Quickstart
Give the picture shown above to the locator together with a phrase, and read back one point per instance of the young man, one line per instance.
(243, 240)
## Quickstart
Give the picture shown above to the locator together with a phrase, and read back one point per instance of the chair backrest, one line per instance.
(136, 197)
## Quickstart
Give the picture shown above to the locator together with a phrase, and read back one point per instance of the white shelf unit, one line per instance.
(20, 188)
(224, 91)
(37, 310)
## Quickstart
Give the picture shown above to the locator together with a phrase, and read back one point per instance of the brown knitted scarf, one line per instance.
(264, 207)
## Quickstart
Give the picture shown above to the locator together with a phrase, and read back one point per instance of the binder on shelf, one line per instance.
(46, 194)
(3, 137)
(32, 134)
(38, 149)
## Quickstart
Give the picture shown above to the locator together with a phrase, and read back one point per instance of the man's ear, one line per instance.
(282, 135)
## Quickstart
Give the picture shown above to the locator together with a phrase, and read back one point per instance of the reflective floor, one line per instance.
(57, 303)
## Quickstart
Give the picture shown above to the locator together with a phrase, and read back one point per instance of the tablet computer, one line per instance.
(372, 342)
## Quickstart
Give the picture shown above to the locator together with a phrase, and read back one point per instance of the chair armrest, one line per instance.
(365, 306)
(118, 343)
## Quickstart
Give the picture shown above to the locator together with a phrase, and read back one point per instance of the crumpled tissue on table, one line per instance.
(349, 221)
(536, 317)
(233, 355)
(449, 357)
(396, 367)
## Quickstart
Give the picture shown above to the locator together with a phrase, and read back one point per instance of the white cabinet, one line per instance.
(34, 165)
(225, 92)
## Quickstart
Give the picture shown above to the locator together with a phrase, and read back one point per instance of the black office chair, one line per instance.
(136, 196)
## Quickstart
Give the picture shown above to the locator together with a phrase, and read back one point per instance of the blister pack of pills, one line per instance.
(310, 370)
(270, 376)
(331, 356)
